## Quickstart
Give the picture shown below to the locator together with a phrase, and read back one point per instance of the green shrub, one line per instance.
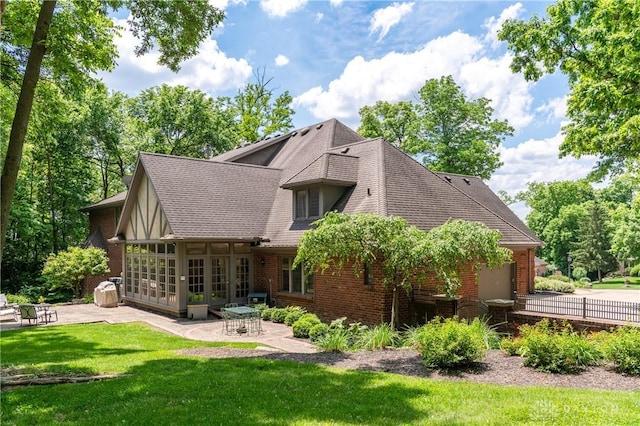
(622, 346)
(563, 278)
(511, 346)
(450, 343)
(266, 313)
(317, 331)
(635, 271)
(279, 314)
(303, 325)
(557, 348)
(380, 337)
(579, 272)
(554, 284)
(17, 299)
(335, 340)
(294, 313)
(260, 306)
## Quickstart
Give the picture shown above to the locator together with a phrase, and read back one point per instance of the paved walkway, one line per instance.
(274, 337)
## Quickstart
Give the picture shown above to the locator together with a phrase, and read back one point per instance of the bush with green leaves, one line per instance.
(622, 346)
(451, 343)
(68, 269)
(511, 346)
(635, 271)
(317, 331)
(557, 348)
(553, 284)
(266, 313)
(579, 272)
(17, 299)
(278, 315)
(335, 340)
(380, 337)
(303, 325)
(294, 313)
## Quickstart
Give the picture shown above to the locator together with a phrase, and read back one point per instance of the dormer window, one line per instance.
(307, 203)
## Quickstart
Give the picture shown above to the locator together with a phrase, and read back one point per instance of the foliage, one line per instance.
(451, 343)
(17, 299)
(635, 271)
(622, 346)
(317, 331)
(556, 348)
(266, 313)
(579, 272)
(450, 133)
(294, 313)
(553, 284)
(511, 346)
(404, 252)
(196, 297)
(380, 337)
(278, 315)
(335, 340)
(625, 221)
(595, 44)
(68, 268)
(302, 327)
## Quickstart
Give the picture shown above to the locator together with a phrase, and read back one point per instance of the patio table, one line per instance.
(243, 318)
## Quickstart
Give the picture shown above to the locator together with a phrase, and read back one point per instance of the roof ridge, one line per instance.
(383, 203)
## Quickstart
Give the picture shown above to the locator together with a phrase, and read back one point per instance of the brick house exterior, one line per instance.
(230, 225)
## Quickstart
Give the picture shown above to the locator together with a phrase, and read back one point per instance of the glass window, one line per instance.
(242, 248)
(368, 274)
(301, 204)
(314, 202)
(196, 248)
(219, 248)
(294, 280)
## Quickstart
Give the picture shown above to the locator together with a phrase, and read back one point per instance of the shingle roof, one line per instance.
(227, 198)
(115, 200)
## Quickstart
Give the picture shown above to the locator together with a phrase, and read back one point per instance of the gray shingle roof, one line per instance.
(113, 201)
(227, 198)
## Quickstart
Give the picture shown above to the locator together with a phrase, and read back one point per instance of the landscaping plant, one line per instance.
(304, 324)
(380, 337)
(622, 346)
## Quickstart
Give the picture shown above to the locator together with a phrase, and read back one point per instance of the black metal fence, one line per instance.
(579, 307)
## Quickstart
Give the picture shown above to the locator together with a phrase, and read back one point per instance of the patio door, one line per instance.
(219, 280)
(196, 275)
(242, 279)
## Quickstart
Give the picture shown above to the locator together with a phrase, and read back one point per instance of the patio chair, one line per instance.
(32, 313)
(6, 308)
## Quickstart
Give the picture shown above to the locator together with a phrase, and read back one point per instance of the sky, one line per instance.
(336, 56)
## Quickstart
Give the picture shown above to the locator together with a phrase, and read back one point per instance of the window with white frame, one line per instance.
(307, 203)
(294, 280)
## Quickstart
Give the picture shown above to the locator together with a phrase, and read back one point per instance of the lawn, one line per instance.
(162, 388)
(617, 284)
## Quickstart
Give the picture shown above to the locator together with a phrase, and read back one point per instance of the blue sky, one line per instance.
(336, 56)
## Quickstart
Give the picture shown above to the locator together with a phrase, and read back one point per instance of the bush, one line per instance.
(511, 346)
(335, 340)
(317, 331)
(451, 343)
(622, 346)
(579, 272)
(278, 315)
(635, 271)
(557, 348)
(294, 313)
(17, 299)
(380, 337)
(303, 325)
(266, 314)
(553, 284)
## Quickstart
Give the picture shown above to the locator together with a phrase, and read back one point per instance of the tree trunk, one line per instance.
(21, 117)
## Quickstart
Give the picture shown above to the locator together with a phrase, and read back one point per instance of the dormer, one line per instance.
(317, 187)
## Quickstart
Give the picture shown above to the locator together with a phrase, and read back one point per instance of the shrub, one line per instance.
(622, 346)
(579, 272)
(563, 278)
(635, 271)
(17, 299)
(303, 325)
(260, 306)
(511, 346)
(450, 343)
(317, 331)
(294, 313)
(380, 337)
(557, 348)
(278, 315)
(266, 313)
(553, 284)
(335, 340)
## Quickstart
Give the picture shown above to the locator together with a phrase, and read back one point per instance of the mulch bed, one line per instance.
(497, 368)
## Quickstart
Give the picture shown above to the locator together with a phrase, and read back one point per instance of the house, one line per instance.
(541, 267)
(229, 226)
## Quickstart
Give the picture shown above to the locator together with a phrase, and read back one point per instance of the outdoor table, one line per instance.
(48, 312)
(243, 319)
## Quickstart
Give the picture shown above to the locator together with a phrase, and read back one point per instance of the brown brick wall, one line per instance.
(525, 270)
(107, 221)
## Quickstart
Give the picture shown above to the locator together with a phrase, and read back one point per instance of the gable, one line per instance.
(146, 219)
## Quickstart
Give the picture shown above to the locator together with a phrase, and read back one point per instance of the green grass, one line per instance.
(163, 388)
(617, 284)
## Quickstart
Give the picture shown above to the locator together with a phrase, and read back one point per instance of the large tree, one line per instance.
(404, 252)
(596, 44)
(593, 249)
(71, 42)
(448, 131)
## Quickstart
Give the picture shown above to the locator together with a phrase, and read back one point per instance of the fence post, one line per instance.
(584, 307)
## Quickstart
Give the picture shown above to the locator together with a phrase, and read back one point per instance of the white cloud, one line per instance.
(336, 2)
(536, 161)
(281, 8)
(211, 70)
(319, 17)
(494, 24)
(281, 60)
(384, 19)
(556, 108)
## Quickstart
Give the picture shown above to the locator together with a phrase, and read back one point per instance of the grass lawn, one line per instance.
(617, 283)
(163, 388)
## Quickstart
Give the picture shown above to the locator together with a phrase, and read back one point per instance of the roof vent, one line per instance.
(294, 133)
(304, 131)
(319, 126)
(344, 151)
(467, 181)
(448, 179)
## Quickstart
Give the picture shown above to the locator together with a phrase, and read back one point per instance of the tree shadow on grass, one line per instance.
(225, 391)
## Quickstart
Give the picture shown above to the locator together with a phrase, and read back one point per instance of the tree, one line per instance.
(78, 40)
(178, 121)
(396, 123)
(593, 250)
(595, 43)
(67, 269)
(404, 252)
(257, 115)
(625, 222)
